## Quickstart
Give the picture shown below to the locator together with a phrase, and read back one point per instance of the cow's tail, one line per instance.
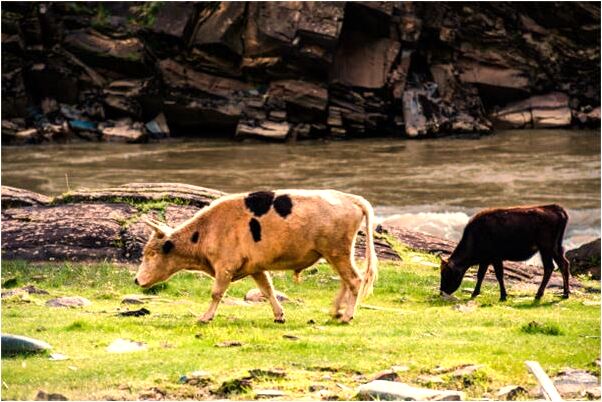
(371, 273)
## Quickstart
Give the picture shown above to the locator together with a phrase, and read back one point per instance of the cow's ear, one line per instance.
(444, 262)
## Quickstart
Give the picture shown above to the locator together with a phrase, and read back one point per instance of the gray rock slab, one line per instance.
(393, 391)
(69, 301)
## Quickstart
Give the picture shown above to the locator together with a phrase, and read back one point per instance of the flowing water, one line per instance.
(429, 185)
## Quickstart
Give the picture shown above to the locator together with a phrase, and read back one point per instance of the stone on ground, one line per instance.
(393, 391)
(69, 301)
(255, 295)
(15, 344)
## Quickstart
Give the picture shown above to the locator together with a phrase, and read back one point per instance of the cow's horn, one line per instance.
(159, 227)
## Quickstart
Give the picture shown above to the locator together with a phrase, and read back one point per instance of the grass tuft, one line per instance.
(535, 327)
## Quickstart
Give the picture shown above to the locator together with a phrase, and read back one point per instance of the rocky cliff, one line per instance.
(130, 71)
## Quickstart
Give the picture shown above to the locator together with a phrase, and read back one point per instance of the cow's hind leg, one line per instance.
(220, 285)
(264, 282)
(345, 267)
(563, 265)
(338, 300)
(548, 268)
(499, 274)
(480, 275)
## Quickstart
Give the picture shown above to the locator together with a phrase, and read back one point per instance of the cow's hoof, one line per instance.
(279, 320)
(472, 296)
(565, 296)
(503, 298)
(346, 321)
(204, 320)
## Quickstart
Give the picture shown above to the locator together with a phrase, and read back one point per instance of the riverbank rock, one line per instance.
(585, 259)
(394, 391)
(105, 224)
(545, 111)
(296, 70)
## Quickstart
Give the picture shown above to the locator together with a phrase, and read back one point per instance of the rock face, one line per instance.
(294, 70)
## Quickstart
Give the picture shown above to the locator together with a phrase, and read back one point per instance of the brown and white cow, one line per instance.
(248, 234)
(513, 234)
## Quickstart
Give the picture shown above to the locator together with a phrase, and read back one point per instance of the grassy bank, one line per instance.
(414, 328)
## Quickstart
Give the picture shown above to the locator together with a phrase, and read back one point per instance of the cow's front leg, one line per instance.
(220, 285)
(499, 274)
(264, 282)
(480, 276)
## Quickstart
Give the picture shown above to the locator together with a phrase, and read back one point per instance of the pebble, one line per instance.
(45, 396)
(268, 393)
(228, 344)
(386, 375)
(510, 392)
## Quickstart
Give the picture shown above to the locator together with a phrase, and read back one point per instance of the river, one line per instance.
(429, 185)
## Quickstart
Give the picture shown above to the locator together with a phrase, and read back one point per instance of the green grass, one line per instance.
(415, 328)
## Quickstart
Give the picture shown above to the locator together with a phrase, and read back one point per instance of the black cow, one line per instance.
(513, 234)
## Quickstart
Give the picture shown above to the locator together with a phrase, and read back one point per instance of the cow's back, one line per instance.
(277, 229)
(515, 233)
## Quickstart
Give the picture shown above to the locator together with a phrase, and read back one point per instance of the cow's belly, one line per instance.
(515, 253)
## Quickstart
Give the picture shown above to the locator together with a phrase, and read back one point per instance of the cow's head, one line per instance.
(451, 277)
(160, 258)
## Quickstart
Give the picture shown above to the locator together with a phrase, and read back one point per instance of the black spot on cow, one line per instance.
(255, 229)
(195, 237)
(167, 246)
(283, 205)
(260, 202)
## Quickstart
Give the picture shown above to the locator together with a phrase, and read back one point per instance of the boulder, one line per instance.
(174, 18)
(63, 232)
(394, 391)
(499, 77)
(124, 56)
(573, 383)
(585, 259)
(13, 197)
(551, 110)
(266, 130)
(16, 344)
(182, 77)
(124, 131)
(300, 93)
(221, 26)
